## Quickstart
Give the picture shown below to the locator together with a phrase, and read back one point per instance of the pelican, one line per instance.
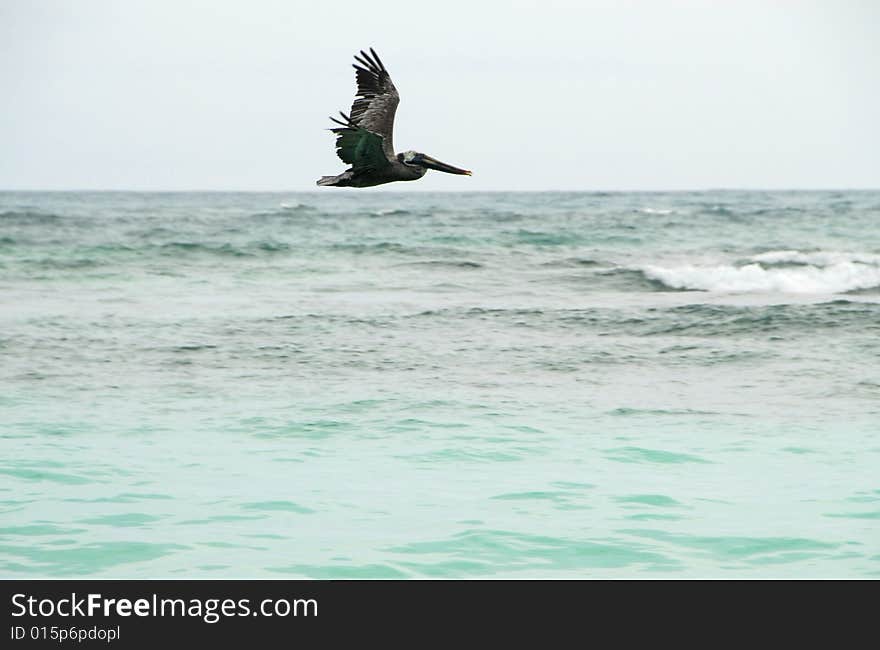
(363, 138)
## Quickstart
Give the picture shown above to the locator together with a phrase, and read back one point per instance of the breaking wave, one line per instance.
(816, 258)
(776, 272)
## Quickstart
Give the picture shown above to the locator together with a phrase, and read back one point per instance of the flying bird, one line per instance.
(364, 137)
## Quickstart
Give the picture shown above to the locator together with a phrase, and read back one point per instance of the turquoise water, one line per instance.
(381, 385)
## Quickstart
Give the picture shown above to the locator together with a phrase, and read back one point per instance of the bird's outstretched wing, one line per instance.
(373, 109)
(362, 149)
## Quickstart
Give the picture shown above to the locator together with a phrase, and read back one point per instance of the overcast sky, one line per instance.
(579, 95)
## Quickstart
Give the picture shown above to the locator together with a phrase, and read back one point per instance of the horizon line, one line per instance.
(425, 191)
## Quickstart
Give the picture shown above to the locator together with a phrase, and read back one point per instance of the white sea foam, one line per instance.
(654, 211)
(816, 258)
(817, 272)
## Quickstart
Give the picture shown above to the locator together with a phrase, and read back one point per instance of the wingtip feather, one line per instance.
(378, 60)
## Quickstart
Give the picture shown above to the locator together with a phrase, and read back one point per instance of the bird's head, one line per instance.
(416, 159)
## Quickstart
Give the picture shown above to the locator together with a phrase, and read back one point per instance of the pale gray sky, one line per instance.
(579, 95)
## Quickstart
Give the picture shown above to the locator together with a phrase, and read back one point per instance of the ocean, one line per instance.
(440, 385)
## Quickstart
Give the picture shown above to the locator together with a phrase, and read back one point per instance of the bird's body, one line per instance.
(396, 171)
(364, 137)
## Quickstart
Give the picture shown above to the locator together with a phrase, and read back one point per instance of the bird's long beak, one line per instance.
(433, 163)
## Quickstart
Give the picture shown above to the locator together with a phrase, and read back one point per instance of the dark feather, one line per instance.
(378, 60)
(361, 149)
(376, 100)
(364, 137)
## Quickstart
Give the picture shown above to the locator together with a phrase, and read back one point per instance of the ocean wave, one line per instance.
(627, 279)
(575, 262)
(286, 212)
(722, 210)
(441, 264)
(24, 217)
(92, 257)
(69, 264)
(545, 238)
(391, 212)
(776, 272)
(240, 250)
(397, 248)
(787, 319)
(814, 258)
(502, 215)
(777, 210)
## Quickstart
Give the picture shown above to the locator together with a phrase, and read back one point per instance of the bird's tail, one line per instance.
(339, 181)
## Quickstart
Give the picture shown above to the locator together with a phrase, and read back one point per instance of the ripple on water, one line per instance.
(640, 455)
(313, 430)
(39, 529)
(124, 520)
(865, 496)
(125, 497)
(342, 571)
(870, 514)
(658, 500)
(570, 496)
(484, 552)
(652, 507)
(42, 475)
(432, 458)
(83, 559)
(541, 496)
(751, 550)
(219, 519)
(276, 506)
(568, 485)
(624, 411)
